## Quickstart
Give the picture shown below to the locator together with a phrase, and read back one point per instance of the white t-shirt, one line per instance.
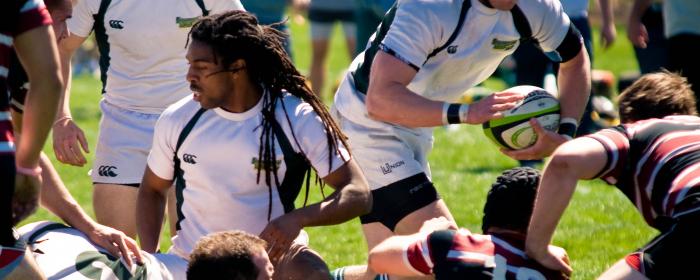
(219, 159)
(487, 37)
(63, 252)
(146, 65)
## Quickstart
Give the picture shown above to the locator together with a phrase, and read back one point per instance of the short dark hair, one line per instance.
(657, 95)
(510, 201)
(225, 255)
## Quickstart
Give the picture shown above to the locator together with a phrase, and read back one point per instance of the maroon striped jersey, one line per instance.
(16, 17)
(459, 254)
(656, 164)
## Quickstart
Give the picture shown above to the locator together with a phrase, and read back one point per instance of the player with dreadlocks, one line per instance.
(239, 150)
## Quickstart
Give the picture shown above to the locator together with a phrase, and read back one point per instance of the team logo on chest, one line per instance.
(259, 165)
(189, 158)
(503, 45)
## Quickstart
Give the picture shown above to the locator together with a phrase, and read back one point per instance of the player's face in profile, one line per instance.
(504, 5)
(207, 80)
(262, 262)
(59, 14)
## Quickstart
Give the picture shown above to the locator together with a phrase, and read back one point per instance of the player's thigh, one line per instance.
(115, 206)
(621, 270)
(413, 222)
(300, 262)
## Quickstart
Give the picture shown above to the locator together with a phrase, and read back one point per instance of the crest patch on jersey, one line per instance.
(503, 45)
(185, 22)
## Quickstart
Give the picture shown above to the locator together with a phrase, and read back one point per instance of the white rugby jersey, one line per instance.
(220, 159)
(142, 45)
(66, 253)
(486, 38)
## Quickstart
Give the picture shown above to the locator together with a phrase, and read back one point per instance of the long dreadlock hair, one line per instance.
(237, 35)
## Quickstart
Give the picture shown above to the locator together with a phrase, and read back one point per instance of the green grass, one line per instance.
(599, 227)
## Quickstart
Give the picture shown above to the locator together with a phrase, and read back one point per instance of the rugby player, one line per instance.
(441, 250)
(239, 149)
(653, 157)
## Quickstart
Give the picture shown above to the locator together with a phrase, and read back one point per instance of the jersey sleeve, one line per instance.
(311, 137)
(81, 23)
(160, 159)
(220, 6)
(415, 32)
(617, 145)
(550, 25)
(32, 14)
(417, 257)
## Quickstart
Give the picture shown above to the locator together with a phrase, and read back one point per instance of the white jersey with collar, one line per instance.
(63, 252)
(222, 192)
(487, 37)
(144, 42)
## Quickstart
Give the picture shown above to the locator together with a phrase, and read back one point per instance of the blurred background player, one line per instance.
(24, 27)
(440, 249)
(140, 78)
(654, 159)
(272, 12)
(243, 144)
(682, 30)
(231, 255)
(404, 84)
(323, 14)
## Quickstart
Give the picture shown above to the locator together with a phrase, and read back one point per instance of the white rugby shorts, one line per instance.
(123, 145)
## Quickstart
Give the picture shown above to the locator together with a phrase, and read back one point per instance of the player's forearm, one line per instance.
(56, 198)
(66, 72)
(574, 85)
(149, 208)
(345, 204)
(606, 12)
(553, 196)
(396, 104)
(38, 116)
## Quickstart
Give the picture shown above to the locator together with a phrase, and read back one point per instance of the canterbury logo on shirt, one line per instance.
(188, 158)
(107, 171)
(503, 45)
(116, 24)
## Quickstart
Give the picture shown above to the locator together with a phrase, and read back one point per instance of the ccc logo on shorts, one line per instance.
(188, 158)
(107, 171)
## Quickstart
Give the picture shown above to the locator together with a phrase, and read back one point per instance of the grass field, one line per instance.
(600, 226)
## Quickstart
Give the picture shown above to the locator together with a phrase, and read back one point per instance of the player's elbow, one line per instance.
(376, 107)
(360, 199)
(562, 162)
(375, 261)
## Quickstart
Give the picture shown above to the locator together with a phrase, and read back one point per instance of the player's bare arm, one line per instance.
(150, 205)
(581, 158)
(389, 99)
(68, 138)
(37, 52)
(636, 31)
(350, 199)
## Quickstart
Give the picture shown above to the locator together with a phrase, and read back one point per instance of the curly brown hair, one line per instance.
(227, 255)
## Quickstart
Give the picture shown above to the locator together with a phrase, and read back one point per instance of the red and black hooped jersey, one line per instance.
(16, 17)
(656, 164)
(450, 254)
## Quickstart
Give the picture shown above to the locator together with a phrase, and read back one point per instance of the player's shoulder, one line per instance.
(180, 111)
(443, 8)
(538, 8)
(295, 107)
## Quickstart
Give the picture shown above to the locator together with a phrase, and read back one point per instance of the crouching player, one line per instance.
(654, 159)
(441, 249)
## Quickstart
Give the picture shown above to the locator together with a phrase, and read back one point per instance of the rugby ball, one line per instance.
(513, 131)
